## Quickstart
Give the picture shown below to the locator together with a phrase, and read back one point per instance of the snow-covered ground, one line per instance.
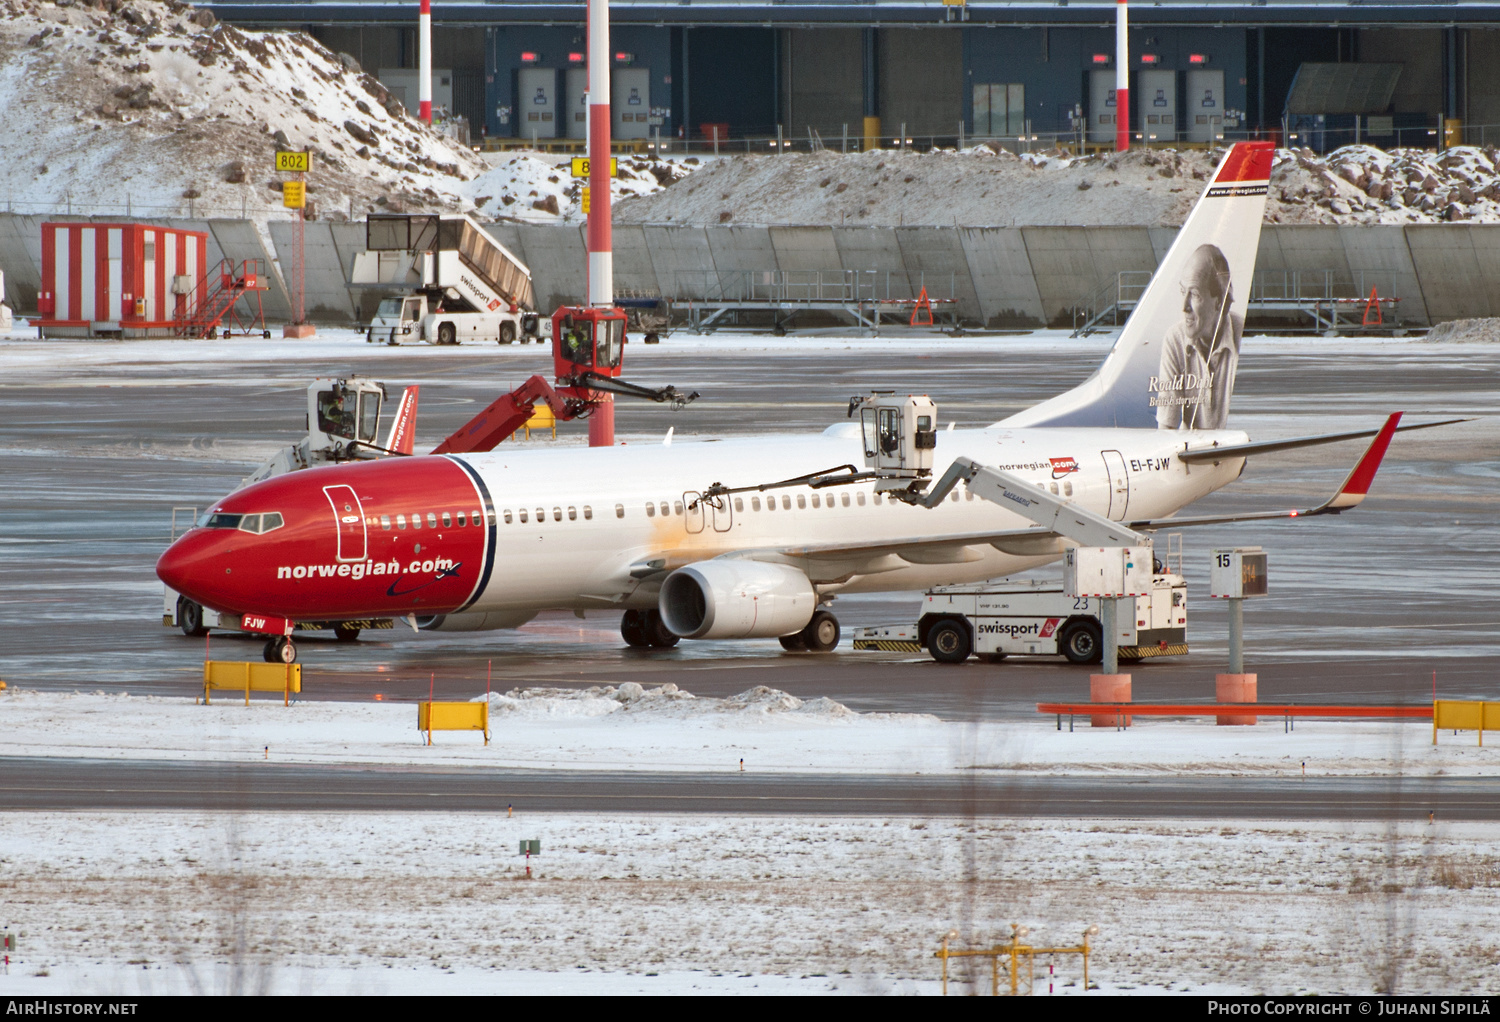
(131, 903)
(630, 728)
(155, 109)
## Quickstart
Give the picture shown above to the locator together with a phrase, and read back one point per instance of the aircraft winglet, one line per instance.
(404, 425)
(1357, 485)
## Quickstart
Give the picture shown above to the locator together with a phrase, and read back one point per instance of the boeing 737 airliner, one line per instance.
(487, 541)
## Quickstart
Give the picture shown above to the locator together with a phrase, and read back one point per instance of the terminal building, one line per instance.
(836, 73)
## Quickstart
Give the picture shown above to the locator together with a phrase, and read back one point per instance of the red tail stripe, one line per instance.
(1247, 161)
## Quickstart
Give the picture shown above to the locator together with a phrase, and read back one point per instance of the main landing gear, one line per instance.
(820, 635)
(280, 650)
(643, 629)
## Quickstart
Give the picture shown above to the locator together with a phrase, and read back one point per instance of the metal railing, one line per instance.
(712, 299)
(1316, 293)
(808, 139)
(790, 286)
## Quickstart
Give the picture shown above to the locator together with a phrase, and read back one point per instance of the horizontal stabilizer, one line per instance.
(1202, 454)
(1350, 493)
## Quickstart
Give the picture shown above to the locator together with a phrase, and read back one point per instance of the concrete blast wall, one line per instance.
(1001, 278)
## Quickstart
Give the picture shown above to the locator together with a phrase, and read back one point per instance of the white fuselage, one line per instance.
(588, 542)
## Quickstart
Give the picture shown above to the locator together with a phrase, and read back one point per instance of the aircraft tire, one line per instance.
(280, 650)
(345, 634)
(657, 634)
(821, 634)
(1082, 643)
(793, 643)
(190, 617)
(633, 629)
(949, 642)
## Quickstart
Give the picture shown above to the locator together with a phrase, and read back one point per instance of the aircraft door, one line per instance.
(349, 518)
(692, 511)
(723, 514)
(1119, 485)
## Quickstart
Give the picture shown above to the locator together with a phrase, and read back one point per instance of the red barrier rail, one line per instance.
(1287, 711)
(1217, 709)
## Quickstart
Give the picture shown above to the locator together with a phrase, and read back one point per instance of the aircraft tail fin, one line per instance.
(1173, 365)
(404, 425)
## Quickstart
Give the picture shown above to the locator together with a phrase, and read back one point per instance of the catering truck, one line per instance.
(447, 281)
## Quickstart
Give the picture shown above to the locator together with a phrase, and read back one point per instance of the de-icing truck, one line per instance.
(457, 283)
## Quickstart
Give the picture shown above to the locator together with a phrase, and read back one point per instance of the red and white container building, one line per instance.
(120, 280)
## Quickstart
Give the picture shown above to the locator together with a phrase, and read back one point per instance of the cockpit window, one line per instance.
(254, 523)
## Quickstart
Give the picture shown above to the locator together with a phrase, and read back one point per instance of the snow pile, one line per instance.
(1466, 331)
(666, 701)
(157, 106)
(532, 189)
(981, 186)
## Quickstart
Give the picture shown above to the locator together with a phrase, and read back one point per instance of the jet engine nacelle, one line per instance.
(485, 621)
(731, 599)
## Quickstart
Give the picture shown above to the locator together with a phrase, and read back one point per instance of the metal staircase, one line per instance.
(218, 295)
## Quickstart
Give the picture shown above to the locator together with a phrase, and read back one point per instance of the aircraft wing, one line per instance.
(1349, 494)
(1199, 454)
(833, 562)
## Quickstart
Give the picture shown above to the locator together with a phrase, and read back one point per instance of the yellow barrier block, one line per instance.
(542, 418)
(1465, 715)
(237, 676)
(453, 717)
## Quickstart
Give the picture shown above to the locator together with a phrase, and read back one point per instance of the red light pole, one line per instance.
(600, 244)
(424, 62)
(1122, 76)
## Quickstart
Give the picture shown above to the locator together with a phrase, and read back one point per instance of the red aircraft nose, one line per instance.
(193, 564)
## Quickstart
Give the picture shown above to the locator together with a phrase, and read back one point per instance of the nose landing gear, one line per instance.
(280, 651)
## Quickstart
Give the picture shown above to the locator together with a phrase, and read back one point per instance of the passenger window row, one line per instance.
(462, 519)
(539, 515)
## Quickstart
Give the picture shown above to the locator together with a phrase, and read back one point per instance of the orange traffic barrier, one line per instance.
(1288, 711)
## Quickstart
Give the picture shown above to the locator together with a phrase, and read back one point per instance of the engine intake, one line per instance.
(731, 599)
